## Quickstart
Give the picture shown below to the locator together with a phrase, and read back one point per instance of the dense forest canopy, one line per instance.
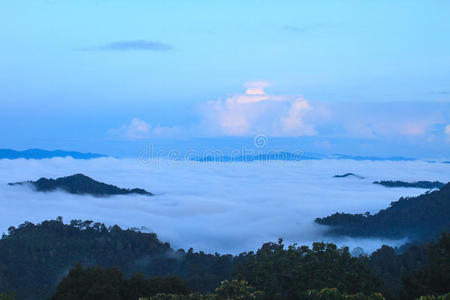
(35, 261)
(418, 218)
(52, 248)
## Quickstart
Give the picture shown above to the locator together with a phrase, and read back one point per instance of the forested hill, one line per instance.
(34, 258)
(80, 184)
(419, 218)
(41, 154)
(417, 184)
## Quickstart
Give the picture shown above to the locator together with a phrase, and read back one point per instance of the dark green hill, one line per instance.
(35, 257)
(417, 184)
(80, 184)
(419, 218)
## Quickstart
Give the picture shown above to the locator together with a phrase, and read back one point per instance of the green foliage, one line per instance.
(435, 278)
(96, 283)
(432, 297)
(238, 290)
(421, 218)
(287, 273)
(228, 290)
(4, 296)
(390, 266)
(335, 294)
(34, 258)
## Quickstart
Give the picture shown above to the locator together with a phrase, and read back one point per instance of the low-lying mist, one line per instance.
(215, 207)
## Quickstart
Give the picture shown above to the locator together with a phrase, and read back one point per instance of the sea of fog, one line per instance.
(215, 207)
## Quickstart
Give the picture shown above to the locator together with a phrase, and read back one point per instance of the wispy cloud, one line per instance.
(138, 129)
(302, 29)
(141, 45)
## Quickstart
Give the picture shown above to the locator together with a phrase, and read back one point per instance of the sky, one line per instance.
(360, 77)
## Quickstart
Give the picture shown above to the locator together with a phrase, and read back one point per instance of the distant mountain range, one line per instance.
(41, 154)
(257, 156)
(418, 218)
(292, 156)
(80, 184)
(417, 184)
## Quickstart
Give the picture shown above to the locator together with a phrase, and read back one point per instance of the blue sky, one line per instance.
(90, 72)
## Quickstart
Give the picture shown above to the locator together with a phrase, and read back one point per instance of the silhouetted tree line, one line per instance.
(35, 258)
(417, 184)
(111, 284)
(420, 218)
(288, 273)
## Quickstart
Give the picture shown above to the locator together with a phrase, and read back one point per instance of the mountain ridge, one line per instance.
(36, 153)
(80, 184)
(419, 218)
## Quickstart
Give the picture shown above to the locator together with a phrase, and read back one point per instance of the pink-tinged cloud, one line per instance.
(414, 128)
(257, 112)
(256, 87)
(293, 123)
(139, 129)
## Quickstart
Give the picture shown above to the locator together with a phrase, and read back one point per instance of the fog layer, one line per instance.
(215, 207)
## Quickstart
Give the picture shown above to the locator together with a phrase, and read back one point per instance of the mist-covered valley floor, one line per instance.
(216, 207)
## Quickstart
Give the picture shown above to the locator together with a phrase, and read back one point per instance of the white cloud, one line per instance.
(257, 112)
(410, 120)
(193, 206)
(414, 128)
(293, 123)
(139, 129)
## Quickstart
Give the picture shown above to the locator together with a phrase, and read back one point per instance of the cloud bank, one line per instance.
(138, 129)
(221, 207)
(256, 112)
(379, 128)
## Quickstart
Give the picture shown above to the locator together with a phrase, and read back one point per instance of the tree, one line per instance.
(288, 273)
(435, 278)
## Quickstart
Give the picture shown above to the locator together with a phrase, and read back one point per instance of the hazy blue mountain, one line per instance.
(41, 154)
(80, 184)
(372, 158)
(283, 156)
(290, 156)
(417, 184)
